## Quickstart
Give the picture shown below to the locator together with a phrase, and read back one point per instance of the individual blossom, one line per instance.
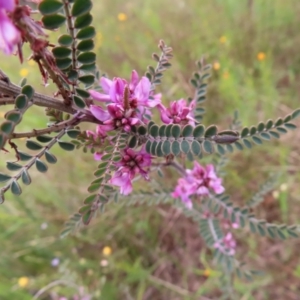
(198, 181)
(179, 112)
(227, 245)
(132, 164)
(116, 117)
(135, 95)
(9, 34)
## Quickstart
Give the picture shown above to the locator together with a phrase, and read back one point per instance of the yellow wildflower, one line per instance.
(216, 65)
(283, 187)
(122, 17)
(226, 75)
(2, 114)
(23, 282)
(106, 251)
(261, 56)
(275, 194)
(207, 272)
(223, 39)
(24, 72)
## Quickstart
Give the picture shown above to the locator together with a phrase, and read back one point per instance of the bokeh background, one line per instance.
(146, 252)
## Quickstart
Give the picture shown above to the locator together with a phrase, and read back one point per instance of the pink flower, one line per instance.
(140, 96)
(9, 34)
(132, 164)
(198, 181)
(178, 113)
(115, 117)
(227, 245)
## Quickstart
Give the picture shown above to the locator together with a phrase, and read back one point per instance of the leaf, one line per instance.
(87, 217)
(66, 146)
(44, 138)
(15, 188)
(87, 79)
(133, 142)
(154, 130)
(12, 166)
(187, 130)
(24, 156)
(175, 148)
(83, 21)
(51, 159)
(53, 21)
(185, 146)
(245, 132)
(50, 7)
(26, 179)
(7, 127)
(61, 52)
(13, 116)
(211, 131)
(296, 113)
(166, 147)
(208, 146)
(21, 102)
(247, 144)
(82, 93)
(4, 177)
(80, 7)
(41, 166)
(85, 45)
(86, 33)
(196, 148)
(73, 133)
(65, 40)
(32, 145)
(87, 57)
(63, 63)
(175, 131)
(198, 131)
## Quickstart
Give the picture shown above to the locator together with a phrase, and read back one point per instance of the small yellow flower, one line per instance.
(207, 272)
(223, 39)
(23, 282)
(283, 187)
(122, 17)
(216, 65)
(261, 56)
(2, 114)
(24, 72)
(106, 251)
(31, 63)
(275, 194)
(226, 75)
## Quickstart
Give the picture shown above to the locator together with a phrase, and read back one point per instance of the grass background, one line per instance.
(156, 253)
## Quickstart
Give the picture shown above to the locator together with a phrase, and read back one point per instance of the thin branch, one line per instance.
(38, 99)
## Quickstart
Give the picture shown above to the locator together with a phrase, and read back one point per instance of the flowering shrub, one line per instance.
(127, 142)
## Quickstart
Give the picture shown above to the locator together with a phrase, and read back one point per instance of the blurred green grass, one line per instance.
(157, 254)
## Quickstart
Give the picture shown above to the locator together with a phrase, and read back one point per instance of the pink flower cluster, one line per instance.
(198, 181)
(227, 245)
(132, 164)
(128, 103)
(179, 112)
(9, 34)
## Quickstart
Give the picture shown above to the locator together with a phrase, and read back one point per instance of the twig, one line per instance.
(53, 284)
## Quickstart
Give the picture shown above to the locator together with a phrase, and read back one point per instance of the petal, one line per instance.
(99, 113)
(163, 114)
(9, 5)
(134, 80)
(99, 96)
(142, 90)
(106, 84)
(117, 90)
